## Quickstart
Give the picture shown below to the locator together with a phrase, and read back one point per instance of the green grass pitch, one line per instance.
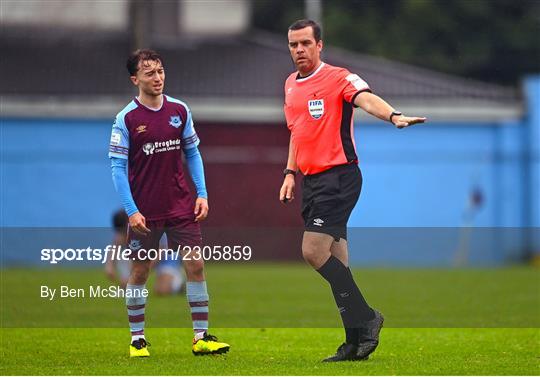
(280, 319)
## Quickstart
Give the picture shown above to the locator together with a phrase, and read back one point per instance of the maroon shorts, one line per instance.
(180, 231)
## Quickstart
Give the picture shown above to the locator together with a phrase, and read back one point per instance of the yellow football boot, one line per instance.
(209, 345)
(138, 348)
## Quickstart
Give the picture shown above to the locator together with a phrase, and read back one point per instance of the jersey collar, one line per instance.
(150, 108)
(302, 79)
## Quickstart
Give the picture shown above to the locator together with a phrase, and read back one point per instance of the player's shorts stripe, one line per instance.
(199, 316)
(195, 304)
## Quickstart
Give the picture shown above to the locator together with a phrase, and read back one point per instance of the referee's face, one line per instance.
(305, 51)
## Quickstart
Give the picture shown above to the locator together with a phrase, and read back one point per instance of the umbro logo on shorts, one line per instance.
(318, 222)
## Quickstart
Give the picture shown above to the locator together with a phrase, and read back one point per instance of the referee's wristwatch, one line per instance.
(394, 113)
(289, 171)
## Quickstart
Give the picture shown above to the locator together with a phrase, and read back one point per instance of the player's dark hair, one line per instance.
(136, 56)
(120, 220)
(300, 24)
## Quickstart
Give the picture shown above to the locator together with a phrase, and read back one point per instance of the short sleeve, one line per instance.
(353, 85)
(119, 144)
(189, 136)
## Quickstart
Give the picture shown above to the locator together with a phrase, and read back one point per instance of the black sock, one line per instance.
(351, 304)
(366, 313)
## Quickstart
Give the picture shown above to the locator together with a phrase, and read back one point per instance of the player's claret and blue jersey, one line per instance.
(151, 142)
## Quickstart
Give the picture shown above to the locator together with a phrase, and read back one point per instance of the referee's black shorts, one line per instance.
(328, 199)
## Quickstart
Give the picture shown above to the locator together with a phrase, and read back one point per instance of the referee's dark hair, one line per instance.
(300, 24)
(136, 56)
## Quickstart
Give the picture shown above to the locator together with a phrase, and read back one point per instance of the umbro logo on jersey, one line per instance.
(141, 128)
(318, 222)
(316, 108)
(175, 121)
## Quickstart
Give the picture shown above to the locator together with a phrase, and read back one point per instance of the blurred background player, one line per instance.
(170, 277)
(147, 140)
(319, 101)
(117, 270)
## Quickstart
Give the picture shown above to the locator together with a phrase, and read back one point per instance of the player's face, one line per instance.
(305, 51)
(150, 77)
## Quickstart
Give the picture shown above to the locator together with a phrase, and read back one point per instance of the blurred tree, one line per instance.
(490, 40)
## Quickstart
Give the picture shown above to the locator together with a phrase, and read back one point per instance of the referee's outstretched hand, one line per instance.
(404, 121)
(286, 194)
(137, 222)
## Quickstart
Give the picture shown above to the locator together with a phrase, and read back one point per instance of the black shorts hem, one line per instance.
(337, 233)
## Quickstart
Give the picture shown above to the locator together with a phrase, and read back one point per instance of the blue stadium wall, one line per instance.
(55, 173)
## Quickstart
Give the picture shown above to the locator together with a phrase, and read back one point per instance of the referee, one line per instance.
(319, 102)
